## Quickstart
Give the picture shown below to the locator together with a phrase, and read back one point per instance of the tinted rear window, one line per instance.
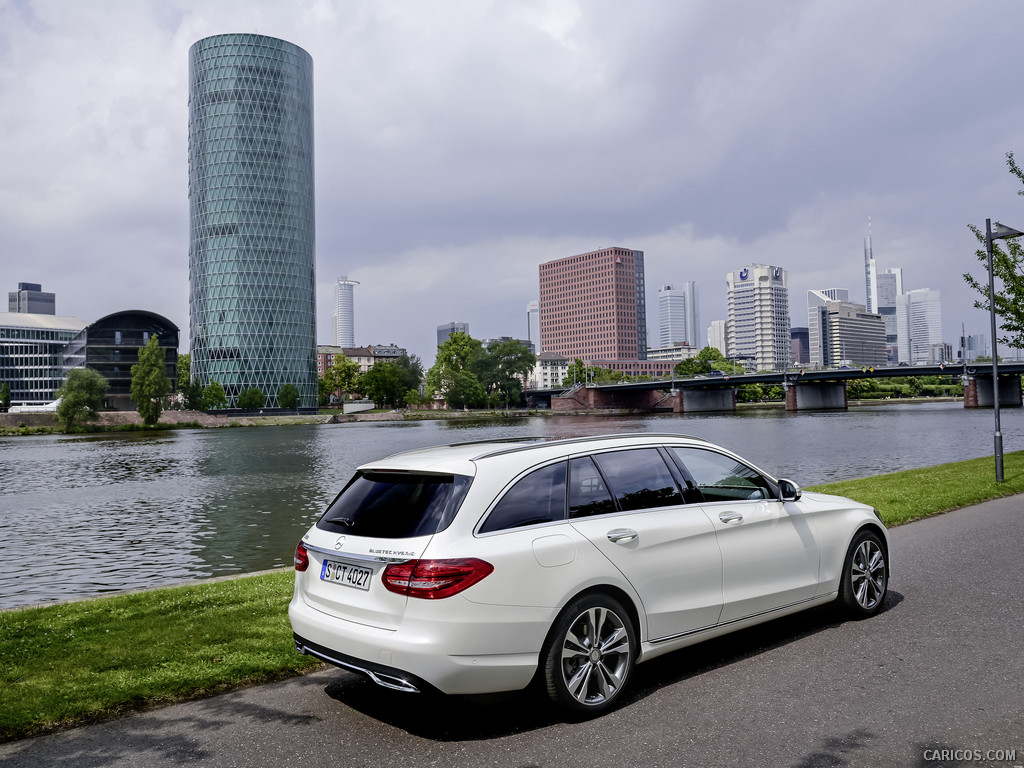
(394, 505)
(639, 479)
(537, 498)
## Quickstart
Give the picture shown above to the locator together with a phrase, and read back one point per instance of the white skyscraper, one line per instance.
(671, 316)
(817, 312)
(717, 333)
(533, 325)
(343, 315)
(678, 315)
(757, 334)
(692, 314)
(890, 286)
(918, 324)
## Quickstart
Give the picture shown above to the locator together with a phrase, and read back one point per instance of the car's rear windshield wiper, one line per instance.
(341, 522)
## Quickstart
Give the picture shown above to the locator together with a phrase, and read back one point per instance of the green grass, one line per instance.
(916, 493)
(71, 663)
(74, 662)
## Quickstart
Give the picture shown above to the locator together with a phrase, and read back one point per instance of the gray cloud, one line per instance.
(460, 143)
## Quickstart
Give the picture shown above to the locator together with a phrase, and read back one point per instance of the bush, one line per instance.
(251, 399)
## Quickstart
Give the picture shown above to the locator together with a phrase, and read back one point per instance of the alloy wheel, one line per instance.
(596, 656)
(867, 574)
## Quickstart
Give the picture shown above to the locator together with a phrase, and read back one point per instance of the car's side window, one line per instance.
(588, 495)
(539, 497)
(639, 479)
(721, 478)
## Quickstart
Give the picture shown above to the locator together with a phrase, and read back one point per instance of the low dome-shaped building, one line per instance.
(110, 346)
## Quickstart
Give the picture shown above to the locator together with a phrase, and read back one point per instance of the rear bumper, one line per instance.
(488, 649)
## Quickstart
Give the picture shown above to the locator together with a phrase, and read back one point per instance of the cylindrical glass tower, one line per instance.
(252, 280)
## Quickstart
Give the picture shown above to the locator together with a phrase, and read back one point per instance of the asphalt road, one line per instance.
(935, 680)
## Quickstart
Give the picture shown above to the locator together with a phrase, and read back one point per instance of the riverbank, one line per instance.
(13, 424)
(69, 663)
(114, 421)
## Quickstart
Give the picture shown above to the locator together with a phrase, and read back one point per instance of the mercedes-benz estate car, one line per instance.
(481, 567)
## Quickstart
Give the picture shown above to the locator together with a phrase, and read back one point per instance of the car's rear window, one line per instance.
(395, 505)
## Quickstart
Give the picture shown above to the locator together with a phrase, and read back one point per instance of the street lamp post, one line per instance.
(999, 232)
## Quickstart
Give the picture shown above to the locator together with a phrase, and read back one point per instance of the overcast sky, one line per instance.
(460, 143)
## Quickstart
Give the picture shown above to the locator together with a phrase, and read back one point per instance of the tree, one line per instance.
(288, 397)
(192, 395)
(81, 397)
(342, 376)
(184, 371)
(1007, 268)
(465, 390)
(413, 398)
(450, 376)
(150, 382)
(384, 383)
(412, 370)
(214, 396)
(5, 395)
(251, 399)
(388, 382)
(707, 360)
(578, 373)
(502, 368)
(323, 392)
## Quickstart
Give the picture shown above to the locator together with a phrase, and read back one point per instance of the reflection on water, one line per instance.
(86, 515)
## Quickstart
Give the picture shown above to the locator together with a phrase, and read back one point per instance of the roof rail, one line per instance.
(571, 440)
(483, 441)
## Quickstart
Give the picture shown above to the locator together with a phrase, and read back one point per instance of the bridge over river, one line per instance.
(805, 389)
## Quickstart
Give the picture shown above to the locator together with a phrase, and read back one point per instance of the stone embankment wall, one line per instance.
(118, 418)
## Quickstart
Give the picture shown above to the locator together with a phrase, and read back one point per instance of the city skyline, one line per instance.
(452, 164)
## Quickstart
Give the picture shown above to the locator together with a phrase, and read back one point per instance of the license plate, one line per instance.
(344, 573)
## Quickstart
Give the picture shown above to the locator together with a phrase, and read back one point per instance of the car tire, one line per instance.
(589, 655)
(865, 578)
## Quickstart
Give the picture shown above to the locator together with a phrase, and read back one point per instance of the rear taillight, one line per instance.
(301, 558)
(434, 579)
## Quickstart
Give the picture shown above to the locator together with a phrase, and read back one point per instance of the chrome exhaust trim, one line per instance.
(391, 682)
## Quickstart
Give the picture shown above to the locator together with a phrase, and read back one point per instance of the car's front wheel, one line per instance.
(865, 575)
(590, 654)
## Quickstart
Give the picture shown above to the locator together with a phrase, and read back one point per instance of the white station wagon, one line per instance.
(481, 567)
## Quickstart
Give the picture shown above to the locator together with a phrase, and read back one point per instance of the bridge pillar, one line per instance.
(701, 400)
(978, 392)
(816, 396)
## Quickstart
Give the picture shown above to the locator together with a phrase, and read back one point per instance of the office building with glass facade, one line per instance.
(32, 354)
(919, 325)
(757, 333)
(31, 299)
(446, 330)
(252, 311)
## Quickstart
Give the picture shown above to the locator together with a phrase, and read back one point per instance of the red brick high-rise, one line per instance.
(593, 306)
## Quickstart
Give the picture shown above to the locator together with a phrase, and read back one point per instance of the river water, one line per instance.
(86, 515)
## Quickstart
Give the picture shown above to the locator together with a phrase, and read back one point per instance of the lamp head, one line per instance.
(1001, 232)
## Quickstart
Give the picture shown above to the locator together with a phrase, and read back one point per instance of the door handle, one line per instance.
(622, 536)
(731, 517)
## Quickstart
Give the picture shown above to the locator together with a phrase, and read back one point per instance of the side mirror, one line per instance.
(790, 490)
